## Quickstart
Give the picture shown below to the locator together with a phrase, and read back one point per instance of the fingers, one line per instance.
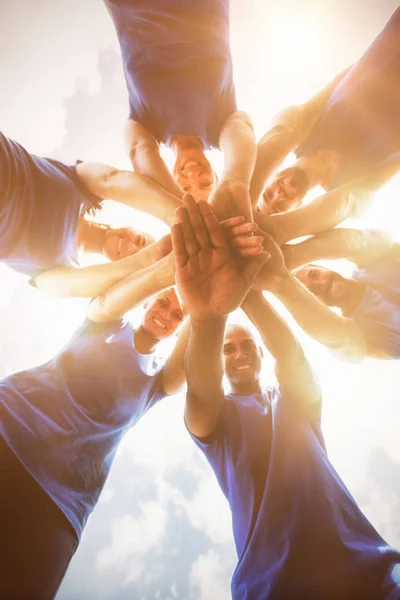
(243, 241)
(214, 229)
(232, 222)
(196, 221)
(178, 246)
(191, 245)
(253, 267)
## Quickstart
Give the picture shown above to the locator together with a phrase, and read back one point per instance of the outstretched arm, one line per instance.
(211, 285)
(133, 189)
(318, 320)
(238, 145)
(288, 129)
(132, 291)
(360, 246)
(144, 152)
(92, 281)
(292, 369)
(322, 213)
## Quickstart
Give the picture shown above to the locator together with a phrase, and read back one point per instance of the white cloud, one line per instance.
(132, 536)
(207, 578)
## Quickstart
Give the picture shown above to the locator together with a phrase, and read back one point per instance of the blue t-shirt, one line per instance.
(177, 65)
(298, 532)
(65, 419)
(361, 119)
(378, 314)
(41, 200)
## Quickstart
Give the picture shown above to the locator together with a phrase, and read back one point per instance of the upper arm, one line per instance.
(238, 122)
(299, 381)
(202, 417)
(138, 138)
(174, 376)
(353, 347)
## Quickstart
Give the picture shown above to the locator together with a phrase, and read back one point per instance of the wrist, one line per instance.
(164, 272)
(211, 323)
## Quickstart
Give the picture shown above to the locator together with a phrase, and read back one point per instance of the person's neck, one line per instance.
(91, 236)
(353, 297)
(183, 142)
(144, 342)
(246, 389)
(320, 167)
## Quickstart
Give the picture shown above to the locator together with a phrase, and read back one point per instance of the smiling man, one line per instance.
(178, 70)
(298, 532)
(346, 139)
(369, 300)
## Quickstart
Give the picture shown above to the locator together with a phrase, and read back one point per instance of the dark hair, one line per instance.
(300, 179)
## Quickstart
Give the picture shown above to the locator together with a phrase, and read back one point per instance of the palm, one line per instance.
(209, 280)
(210, 283)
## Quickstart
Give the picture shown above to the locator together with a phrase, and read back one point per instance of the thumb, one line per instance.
(253, 267)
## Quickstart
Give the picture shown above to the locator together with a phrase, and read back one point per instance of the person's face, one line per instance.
(194, 173)
(330, 287)
(163, 315)
(242, 356)
(119, 243)
(280, 195)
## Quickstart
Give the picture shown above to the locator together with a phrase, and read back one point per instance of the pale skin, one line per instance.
(211, 284)
(192, 171)
(337, 332)
(137, 287)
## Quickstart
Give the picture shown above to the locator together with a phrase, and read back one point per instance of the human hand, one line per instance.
(230, 199)
(210, 282)
(275, 269)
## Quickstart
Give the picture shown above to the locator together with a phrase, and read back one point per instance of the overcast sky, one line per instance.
(162, 528)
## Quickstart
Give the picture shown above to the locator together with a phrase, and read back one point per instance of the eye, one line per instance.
(163, 303)
(178, 316)
(186, 188)
(228, 349)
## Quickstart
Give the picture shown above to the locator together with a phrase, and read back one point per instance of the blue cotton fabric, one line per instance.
(65, 419)
(378, 314)
(361, 120)
(177, 65)
(41, 200)
(298, 532)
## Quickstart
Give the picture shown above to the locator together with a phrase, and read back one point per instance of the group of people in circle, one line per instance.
(298, 532)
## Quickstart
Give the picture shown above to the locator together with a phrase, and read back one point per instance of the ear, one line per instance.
(261, 351)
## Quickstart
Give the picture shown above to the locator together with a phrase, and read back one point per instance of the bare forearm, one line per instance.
(317, 319)
(148, 161)
(204, 362)
(145, 194)
(271, 151)
(292, 368)
(355, 245)
(92, 281)
(239, 147)
(132, 290)
(276, 335)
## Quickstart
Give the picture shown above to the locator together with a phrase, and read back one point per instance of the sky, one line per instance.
(162, 529)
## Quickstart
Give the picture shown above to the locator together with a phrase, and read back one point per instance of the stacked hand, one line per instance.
(230, 199)
(209, 280)
(275, 269)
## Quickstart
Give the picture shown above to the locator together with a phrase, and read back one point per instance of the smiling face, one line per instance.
(284, 192)
(194, 173)
(330, 287)
(242, 356)
(119, 243)
(163, 315)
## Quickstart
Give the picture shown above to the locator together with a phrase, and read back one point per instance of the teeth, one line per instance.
(243, 367)
(157, 322)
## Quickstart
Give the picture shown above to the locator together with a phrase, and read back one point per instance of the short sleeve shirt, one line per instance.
(177, 65)
(298, 531)
(41, 200)
(65, 419)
